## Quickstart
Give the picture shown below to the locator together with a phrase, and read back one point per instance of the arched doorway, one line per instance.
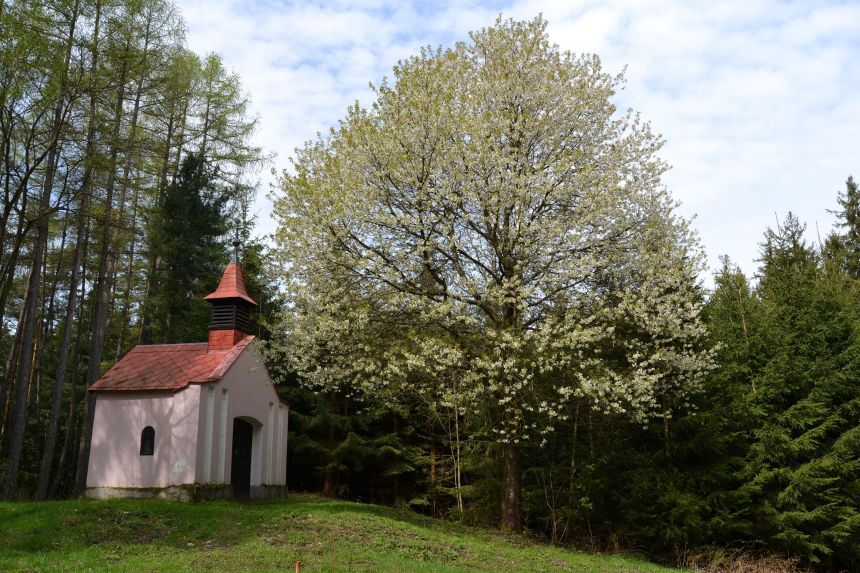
(242, 458)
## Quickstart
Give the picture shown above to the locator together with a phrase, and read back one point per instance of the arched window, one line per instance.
(147, 441)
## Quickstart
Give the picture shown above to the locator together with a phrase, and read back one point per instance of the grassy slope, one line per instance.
(155, 535)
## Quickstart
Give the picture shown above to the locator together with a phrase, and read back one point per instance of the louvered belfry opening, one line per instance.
(231, 307)
(231, 314)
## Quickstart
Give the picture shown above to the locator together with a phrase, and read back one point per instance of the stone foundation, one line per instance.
(190, 492)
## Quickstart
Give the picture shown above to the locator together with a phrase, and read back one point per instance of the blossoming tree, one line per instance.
(491, 233)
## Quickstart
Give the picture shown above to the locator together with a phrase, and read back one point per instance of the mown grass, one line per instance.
(326, 535)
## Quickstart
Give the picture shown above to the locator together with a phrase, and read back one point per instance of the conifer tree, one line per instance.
(848, 218)
(187, 230)
(800, 475)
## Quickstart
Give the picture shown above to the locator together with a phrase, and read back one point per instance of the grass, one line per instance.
(326, 535)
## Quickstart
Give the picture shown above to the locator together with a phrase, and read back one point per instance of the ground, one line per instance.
(326, 535)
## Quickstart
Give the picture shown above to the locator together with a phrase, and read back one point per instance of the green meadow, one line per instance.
(325, 535)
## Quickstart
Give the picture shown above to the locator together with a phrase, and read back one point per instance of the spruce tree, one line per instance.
(186, 232)
(800, 475)
(848, 218)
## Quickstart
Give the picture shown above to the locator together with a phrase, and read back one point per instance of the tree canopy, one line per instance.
(485, 232)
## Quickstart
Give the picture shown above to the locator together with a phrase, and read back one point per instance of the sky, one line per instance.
(758, 100)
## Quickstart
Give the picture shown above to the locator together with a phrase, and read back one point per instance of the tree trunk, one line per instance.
(7, 272)
(25, 362)
(126, 172)
(512, 518)
(180, 140)
(67, 453)
(48, 323)
(145, 336)
(9, 374)
(62, 361)
(86, 194)
(458, 482)
(129, 275)
(102, 289)
(175, 132)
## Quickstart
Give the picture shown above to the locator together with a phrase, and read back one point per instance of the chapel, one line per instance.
(195, 420)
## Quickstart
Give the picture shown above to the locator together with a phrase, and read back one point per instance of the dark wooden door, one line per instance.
(240, 472)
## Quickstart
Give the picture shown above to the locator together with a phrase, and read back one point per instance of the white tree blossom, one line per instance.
(493, 232)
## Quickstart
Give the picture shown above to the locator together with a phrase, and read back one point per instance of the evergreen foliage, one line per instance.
(358, 450)
(846, 246)
(186, 231)
(802, 467)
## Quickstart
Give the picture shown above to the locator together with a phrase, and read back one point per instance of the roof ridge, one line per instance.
(167, 344)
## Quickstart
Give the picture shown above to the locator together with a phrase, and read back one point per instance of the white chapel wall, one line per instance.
(245, 392)
(120, 417)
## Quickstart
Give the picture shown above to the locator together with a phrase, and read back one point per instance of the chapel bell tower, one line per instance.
(231, 306)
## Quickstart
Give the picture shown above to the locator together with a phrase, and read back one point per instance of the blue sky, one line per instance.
(758, 100)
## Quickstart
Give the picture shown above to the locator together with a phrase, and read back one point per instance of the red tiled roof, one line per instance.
(169, 366)
(232, 285)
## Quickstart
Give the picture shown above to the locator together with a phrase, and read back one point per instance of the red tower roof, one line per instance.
(232, 285)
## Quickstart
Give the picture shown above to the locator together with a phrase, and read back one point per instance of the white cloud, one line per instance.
(756, 99)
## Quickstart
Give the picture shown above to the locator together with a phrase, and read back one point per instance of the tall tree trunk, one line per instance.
(8, 201)
(48, 323)
(102, 289)
(512, 518)
(25, 362)
(145, 336)
(180, 139)
(25, 359)
(126, 172)
(129, 274)
(18, 200)
(62, 361)
(9, 375)
(456, 457)
(67, 453)
(7, 271)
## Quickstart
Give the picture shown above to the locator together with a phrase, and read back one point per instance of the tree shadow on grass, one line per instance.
(308, 503)
(65, 525)
(29, 527)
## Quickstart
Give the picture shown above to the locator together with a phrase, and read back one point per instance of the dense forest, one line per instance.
(613, 403)
(127, 165)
